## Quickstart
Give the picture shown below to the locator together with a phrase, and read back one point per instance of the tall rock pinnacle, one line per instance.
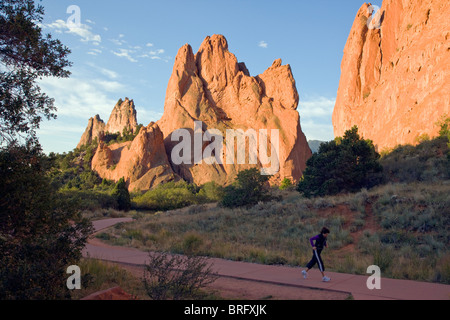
(213, 87)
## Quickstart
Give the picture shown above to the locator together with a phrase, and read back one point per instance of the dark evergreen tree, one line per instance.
(122, 195)
(345, 164)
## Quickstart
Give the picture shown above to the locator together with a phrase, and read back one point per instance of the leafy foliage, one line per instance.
(26, 55)
(427, 161)
(344, 164)
(122, 195)
(71, 175)
(249, 188)
(40, 233)
(175, 195)
(126, 135)
(286, 184)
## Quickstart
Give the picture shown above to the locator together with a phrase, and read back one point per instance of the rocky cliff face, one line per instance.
(214, 88)
(122, 117)
(143, 162)
(95, 128)
(395, 79)
(211, 88)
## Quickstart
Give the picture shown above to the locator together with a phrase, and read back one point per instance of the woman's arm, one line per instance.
(312, 241)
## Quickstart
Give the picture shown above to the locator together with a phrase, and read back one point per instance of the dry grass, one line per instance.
(403, 228)
(98, 276)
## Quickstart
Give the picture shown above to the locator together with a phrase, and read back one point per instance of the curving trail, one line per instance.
(281, 276)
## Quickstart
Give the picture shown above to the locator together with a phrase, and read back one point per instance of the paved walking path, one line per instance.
(286, 276)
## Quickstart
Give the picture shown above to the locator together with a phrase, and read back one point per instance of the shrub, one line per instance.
(424, 162)
(176, 277)
(249, 188)
(89, 200)
(169, 196)
(210, 192)
(122, 196)
(286, 184)
(344, 164)
(175, 195)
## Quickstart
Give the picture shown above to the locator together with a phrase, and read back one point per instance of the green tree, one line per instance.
(122, 195)
(445, 132)
(249, 188)
(40, 234)
(286, 184)
(344, 164)
(444, 123)
(25, 56)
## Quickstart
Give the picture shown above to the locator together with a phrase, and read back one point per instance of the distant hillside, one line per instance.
(314, 145)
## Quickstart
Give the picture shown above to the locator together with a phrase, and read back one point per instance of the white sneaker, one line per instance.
(305, 274)
(326, 279)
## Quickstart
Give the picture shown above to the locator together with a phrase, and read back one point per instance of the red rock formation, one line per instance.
(212, 87)
(122, 117)
(143, 162)
(95, 128)
(395, 80)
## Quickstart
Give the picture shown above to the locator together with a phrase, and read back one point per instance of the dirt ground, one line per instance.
(237, 289)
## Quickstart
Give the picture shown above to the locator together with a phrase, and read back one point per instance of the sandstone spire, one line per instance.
(122, 117)
(213, 87)
(94, 129)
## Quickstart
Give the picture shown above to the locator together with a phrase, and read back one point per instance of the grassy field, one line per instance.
(403, 228)
(98, 275)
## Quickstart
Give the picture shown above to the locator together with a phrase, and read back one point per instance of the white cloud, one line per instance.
(317, 131)
(77, 99)
(154, 55)
(316, 117)
(108, 86)
(118, 42)
(317, 107)
(109, 73)
(132, 52)
(104, 71)
(94, 52)
(82, 30)
(124, 53)
(148, 115)
(49, 129)
(263, 44)
(80, 98)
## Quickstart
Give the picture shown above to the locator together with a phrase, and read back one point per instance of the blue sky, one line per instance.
(127, 49)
